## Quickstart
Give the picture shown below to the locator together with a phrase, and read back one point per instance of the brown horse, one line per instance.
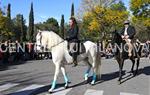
(121, 54)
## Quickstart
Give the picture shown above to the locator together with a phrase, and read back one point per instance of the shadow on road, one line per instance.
(37, 91)
(104, 78)
(145, 71)
(7, 66)
(109, 76)
(3, 67)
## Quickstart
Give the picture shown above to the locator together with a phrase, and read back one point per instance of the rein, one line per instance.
(52, 46)
(58, 43)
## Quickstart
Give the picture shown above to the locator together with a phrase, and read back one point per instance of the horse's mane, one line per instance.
(50, 39)
(116, 38)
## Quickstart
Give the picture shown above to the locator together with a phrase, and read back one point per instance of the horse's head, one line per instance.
(39, 45)
(47, 40)
(116, 37)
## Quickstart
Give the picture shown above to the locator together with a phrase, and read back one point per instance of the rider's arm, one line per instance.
(74, 33)
(121, 33)
(133, 32)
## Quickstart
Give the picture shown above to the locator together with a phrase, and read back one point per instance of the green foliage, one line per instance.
(9, 11)
(31, 25)
(141, 10)
(72, 10)
(4, 22)
(23, 29)
(103, 20)
(118, 7)
(62, 28)
(20, 28)
(141, 17)
(140, 7)
(51, 24)
(6, 27)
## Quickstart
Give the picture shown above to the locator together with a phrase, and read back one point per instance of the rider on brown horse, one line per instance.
(127, 33)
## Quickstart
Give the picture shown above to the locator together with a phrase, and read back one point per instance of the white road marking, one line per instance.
(123, 93)
(31, 87)
(60, 91)
(93, 92)
(7, 86)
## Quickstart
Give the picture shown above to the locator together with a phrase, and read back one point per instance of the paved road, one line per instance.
(34, 78)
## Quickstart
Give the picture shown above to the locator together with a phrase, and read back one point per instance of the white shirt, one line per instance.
(125, 32)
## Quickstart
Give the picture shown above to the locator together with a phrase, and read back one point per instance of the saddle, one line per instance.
(79, 48)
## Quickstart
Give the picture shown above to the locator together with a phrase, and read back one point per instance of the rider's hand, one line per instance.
(126, 36)
(122, 37)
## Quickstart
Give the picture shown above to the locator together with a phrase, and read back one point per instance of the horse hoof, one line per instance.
(132, 72)
(50, 91)
(119, 82)
(86, 78)
(92, 83)
(66, 87)
(134, 75)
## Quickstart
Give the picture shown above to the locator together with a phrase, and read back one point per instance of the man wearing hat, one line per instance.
(127, 34)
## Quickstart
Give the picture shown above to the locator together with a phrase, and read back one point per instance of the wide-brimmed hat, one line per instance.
(126, 22)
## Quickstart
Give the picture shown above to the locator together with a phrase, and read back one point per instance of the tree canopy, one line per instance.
(20, 27)
(51, 24)
(31, 25)
(141, 17)
(141, 10)
(104, 20)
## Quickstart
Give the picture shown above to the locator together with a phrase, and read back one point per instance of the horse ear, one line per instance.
(39, 30)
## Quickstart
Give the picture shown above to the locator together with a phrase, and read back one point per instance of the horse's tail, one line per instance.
(98, 61)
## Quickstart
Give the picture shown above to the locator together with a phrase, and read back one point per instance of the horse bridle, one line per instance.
(51, 47)
(40, 41)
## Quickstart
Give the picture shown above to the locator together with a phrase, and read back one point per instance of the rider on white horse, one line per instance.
(60, 53)
(72, 38)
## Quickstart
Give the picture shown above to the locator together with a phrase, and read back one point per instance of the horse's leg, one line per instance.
(133, 63)
(65, 76)
(94, 76)
(94, 71)
(87, 73)
(121, 63)
(57, 69)
(137, 66)
(88, 69)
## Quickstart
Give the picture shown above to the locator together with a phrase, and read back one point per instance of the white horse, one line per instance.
(59, 50)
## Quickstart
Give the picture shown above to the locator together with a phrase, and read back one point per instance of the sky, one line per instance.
(44, 9)
(126, 2)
